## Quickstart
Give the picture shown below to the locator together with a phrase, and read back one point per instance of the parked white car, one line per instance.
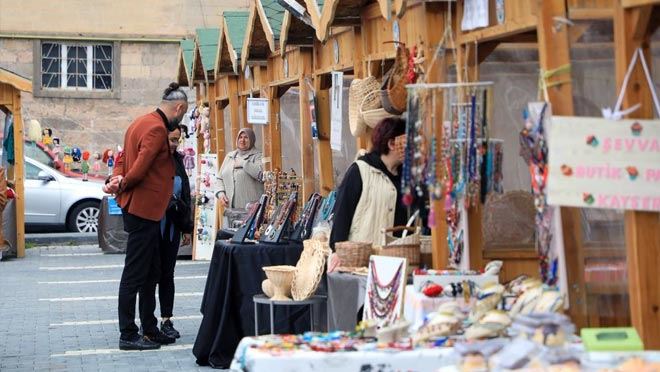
(53, 199)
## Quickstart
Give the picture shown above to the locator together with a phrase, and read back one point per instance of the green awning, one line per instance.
(188, 46)
(207, 41)
(236, 27)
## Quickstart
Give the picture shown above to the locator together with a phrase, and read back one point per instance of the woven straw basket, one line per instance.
(359, 90)
(407, 247)
(353, 254)
(372, 117)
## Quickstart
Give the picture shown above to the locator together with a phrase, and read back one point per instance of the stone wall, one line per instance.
(97, 124)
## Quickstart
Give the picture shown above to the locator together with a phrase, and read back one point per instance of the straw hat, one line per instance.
(360, 99)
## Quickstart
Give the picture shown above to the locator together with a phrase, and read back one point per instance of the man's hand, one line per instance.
(112, 187)
(187, 239)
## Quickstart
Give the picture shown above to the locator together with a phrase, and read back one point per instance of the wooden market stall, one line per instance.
(206, 46)
(11, 86)
(184, 62)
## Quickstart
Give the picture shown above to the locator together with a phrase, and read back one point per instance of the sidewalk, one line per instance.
(59, 312)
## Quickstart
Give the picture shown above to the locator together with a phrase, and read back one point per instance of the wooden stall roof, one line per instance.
(17, 81)
(207, 44)
(297, 30)
(345, 13)
(230, 41)
(184, 70)
(263, 30)
(198, 74)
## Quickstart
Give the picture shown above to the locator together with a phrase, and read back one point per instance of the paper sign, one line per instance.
(336, 110)
(602, 163)
(113, 207)
(257, 110)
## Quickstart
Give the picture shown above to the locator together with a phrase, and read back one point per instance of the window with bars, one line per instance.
(76, 66)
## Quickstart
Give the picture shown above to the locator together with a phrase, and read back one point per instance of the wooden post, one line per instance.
(306, 144)
(213, 117)
(19, 172)
(631, 31)
(364, 141)
(234, 107)
(275, 130)
(326, 172)
(554, 52)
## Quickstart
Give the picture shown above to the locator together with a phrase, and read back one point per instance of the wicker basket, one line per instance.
(357, 101)
(394, 96)
(372, 117)
(412, 238)
(353, 254)
(408, 251)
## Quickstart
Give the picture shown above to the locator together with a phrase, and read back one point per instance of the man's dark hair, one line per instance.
(174, 93)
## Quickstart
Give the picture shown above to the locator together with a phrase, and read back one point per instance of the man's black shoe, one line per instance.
(160, 338)
(140, 343)
(168, 328)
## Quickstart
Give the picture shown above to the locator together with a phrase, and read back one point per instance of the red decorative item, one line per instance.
(411, 76)
(11, 194)
(407, 199)
(432, 290)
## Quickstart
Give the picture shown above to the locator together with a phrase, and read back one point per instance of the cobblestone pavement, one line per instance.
(58, 312)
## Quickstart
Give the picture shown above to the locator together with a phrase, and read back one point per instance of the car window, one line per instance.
(31, 171)
(37, 153)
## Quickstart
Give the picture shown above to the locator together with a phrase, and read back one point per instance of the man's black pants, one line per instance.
(141, 272)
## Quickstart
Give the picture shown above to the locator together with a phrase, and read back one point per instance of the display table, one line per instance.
(249, 358)
(234, 277)
(345, 298)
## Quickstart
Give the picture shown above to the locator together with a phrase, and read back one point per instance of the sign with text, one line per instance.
(602, 163)
(257, 110)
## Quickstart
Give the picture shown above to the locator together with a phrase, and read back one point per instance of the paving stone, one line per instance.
(36, 339)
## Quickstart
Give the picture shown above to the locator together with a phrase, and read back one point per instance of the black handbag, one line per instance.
(178, 212)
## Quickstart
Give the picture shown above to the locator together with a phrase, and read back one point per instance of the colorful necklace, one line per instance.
(384, 297)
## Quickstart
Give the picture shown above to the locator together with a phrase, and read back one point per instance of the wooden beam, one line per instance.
(16, 81)
(637, 3)
(590, 14)
(19, 172)
(234, 109)
(265, 25)
(642, 228)
(275, 127)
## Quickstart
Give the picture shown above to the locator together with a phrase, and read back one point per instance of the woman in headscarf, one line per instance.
(240, 178)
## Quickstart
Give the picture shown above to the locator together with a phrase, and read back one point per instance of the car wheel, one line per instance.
(84, 218)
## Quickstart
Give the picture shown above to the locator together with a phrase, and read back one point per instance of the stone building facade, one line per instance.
(41, 40)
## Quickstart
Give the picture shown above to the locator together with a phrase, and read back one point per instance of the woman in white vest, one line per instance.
(369, 197)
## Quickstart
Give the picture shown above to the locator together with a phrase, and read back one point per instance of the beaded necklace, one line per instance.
(384, 297)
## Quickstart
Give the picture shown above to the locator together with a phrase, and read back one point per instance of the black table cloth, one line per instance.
(235, 276)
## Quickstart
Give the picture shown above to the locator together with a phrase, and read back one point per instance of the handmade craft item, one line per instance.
(189, 160)
(302, 229)
(84, 166)
(492, 324)
(280, 222)
(487, 299)
(47, 137)
(384, 294)
(34, 132)
(281, 277)
(96, 166)
(545, 328)
(534, 150)
(68, 158)
(309, 269)
(109, 159)
(206, 127)
(440, 324)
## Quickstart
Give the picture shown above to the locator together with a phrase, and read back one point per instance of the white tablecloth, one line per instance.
(422, 360)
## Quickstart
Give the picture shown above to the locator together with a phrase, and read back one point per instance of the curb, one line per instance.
(40, 240)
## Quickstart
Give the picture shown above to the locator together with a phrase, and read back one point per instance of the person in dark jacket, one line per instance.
(369, 197)
(177, 221)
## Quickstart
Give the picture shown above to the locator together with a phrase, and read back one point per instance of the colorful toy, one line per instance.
(84, 167)
(68, 158)
(76, 154)
(109, 160)
(189, 160)
(47, 137)
(96, 167)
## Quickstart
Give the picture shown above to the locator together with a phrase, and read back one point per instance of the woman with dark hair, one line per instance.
(369, 198)
(177, 221)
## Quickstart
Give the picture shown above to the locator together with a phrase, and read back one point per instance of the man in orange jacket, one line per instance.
(142, 176)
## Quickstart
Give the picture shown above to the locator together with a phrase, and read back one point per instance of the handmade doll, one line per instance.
(56, 147)
(68, 158)
(189, 160)
(206, 128)
(96, 166)
(109, 160)
(84, 167)
(47, 137)
(34, 132)
(76, 154)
